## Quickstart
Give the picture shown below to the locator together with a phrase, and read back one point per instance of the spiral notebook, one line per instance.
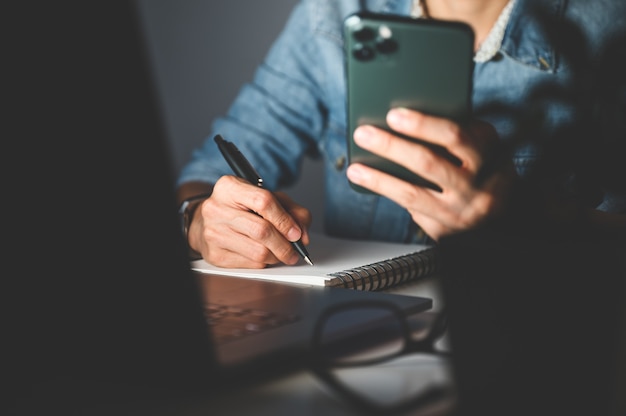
(354, 264)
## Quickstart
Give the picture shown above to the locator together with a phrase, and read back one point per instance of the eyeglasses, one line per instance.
(380, 358)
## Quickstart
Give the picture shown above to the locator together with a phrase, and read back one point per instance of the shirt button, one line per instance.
(340, 162)
(543, 63)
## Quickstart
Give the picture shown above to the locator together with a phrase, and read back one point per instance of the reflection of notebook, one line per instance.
(278, 319)
(106, 315)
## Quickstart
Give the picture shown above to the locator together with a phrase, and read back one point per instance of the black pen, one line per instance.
(242, 168)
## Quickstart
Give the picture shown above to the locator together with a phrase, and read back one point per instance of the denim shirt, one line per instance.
(296, 105)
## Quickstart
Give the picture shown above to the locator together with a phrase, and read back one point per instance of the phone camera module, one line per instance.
(384, 41)
(384, 32)
(364, 34)
(363, 52)
(386, 45)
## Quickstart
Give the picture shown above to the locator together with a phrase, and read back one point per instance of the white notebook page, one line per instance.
(329, 255)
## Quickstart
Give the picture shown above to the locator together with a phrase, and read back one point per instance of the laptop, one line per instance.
(109, 296)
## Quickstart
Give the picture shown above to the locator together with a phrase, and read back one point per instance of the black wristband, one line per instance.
(185, 212)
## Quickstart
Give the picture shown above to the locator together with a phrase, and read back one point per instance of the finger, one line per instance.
(237, 256)
(269, 238)
(301, 214)
(232, 259)
(436, 213)
(253, 238)
(240, 193)
(399, 191)
(432, 227)
(234, 204)
(476, 144)
(265, 204)
(429, 209)
(415, 157)
(439, 131)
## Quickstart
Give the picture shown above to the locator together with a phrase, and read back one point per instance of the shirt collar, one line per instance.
(524, 40)
(491, 45)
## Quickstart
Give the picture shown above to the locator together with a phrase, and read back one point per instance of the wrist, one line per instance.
(186, 212)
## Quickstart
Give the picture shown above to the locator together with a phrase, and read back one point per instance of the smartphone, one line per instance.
(398, 61)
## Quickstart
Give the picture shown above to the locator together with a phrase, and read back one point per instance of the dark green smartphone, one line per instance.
(398, 61)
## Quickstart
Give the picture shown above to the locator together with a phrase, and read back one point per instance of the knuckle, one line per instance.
(211, 236)
(262, 200)
(209, 208)
(260, 230)
(259, 253)
(476, 212)
(427, 162)
(284, 252)
(225, 182)
(453, 133)
(407, 194)
(283, 223)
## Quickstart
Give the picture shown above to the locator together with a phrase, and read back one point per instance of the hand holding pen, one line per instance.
(243, 169)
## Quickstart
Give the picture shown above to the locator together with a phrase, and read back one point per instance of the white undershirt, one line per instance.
(491, 45)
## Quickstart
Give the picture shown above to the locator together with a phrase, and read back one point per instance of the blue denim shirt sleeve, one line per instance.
(295, 105)
(276, 118)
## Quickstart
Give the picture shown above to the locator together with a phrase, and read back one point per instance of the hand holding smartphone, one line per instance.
(397, 61)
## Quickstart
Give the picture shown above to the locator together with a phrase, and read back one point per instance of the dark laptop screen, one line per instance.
(93, 196)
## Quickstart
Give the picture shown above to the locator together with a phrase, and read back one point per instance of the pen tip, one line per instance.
(308, 260)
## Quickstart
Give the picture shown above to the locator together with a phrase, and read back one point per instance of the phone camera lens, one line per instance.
(364, 34)
(362, 52)
(386, 45)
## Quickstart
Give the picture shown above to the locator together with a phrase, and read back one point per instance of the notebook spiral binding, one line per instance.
(387, 273)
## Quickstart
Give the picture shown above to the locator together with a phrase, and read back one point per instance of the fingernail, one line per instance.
(364, 135)
(356, 174)
(294, 234)
(397, 116)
